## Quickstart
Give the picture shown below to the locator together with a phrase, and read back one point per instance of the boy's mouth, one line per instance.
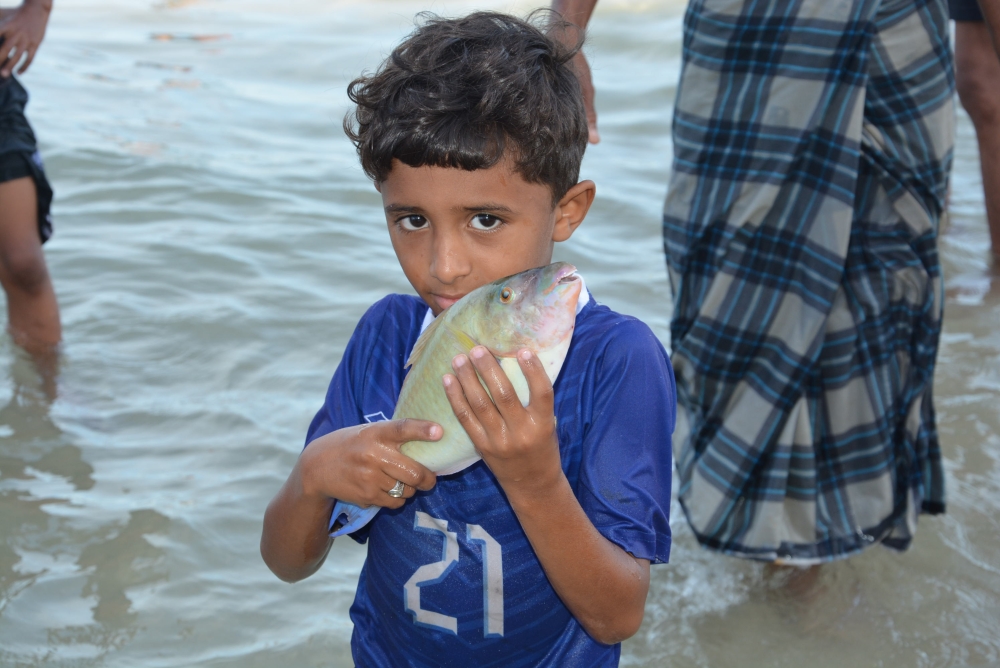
(444, 301)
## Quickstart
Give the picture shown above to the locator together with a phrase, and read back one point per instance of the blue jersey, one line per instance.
(450, 578)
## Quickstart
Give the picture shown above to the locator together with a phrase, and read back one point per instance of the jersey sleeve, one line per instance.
(371, 368)
(365, 367)
(341, 407)
(627, 462)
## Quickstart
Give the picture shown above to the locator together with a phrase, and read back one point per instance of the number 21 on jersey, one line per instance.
(431, 574)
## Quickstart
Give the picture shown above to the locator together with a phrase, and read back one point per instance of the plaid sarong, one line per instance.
(812, 144)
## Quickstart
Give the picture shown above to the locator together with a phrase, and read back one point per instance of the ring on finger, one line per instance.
(397, 490)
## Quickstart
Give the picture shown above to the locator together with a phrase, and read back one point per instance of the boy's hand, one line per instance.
(361, 464)
(22, 32)
(518, 443)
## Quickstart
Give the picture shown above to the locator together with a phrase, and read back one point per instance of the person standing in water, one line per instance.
(812, 149)
(977, 77)
(25, 193)
(473, 131)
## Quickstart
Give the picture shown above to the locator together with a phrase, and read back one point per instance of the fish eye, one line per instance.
(506, 295)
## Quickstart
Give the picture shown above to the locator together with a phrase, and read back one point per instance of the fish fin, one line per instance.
(422, 341)
(350, 518)
(466, 342)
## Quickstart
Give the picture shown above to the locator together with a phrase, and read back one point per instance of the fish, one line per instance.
(535, 309)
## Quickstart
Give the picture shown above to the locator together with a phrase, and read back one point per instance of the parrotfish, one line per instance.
(535, 309)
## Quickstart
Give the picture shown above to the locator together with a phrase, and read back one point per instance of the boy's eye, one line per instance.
(412, 223)
(484, 221)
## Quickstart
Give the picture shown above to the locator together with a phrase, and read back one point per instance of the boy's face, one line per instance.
(454, 230)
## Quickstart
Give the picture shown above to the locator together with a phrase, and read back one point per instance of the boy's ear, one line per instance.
(572, 209)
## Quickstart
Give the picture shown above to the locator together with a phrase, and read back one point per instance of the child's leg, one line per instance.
(32, 310)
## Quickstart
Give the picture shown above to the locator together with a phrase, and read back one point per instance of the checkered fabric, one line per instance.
(813, 142)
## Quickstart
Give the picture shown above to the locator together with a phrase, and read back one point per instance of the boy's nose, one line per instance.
(448, 261)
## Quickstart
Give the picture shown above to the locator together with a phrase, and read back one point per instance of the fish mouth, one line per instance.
(565, 275)
(562, 279)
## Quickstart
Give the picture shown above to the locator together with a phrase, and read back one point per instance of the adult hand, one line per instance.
(582, 69)
(577, 13)
(22, 32)
(360, 464)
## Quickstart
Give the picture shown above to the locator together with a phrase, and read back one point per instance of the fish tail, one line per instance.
(350, 518)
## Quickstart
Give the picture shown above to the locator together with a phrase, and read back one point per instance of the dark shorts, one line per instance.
(19, 156)
(965, 10)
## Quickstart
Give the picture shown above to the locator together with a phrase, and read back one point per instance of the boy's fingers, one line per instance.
(412, 473)
(475, 395)
(389, 484)
(501, 390)
(396, 432)
(463, 411)
(392, 434)
(378, 493)
(539, 386)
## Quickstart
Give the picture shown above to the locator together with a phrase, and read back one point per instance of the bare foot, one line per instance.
(798, 583)
(46, 359)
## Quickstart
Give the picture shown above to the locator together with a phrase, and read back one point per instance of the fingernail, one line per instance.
(435, 432)
(526, 355)
(479, 352)
(458, 362)
(446, 379)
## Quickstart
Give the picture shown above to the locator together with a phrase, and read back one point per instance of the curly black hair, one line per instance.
(470, 92)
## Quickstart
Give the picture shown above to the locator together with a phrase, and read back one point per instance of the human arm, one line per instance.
(355, 464)
(578, 13)
(603, 586)
(22, 30)
(991, 14)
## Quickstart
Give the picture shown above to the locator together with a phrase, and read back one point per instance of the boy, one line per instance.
(473, 131)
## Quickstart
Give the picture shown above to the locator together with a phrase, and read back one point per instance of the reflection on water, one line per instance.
(45, 553)
(122, 559)
(215, 244)
(30, 449)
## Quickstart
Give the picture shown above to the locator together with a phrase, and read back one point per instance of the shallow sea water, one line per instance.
(216, 243)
